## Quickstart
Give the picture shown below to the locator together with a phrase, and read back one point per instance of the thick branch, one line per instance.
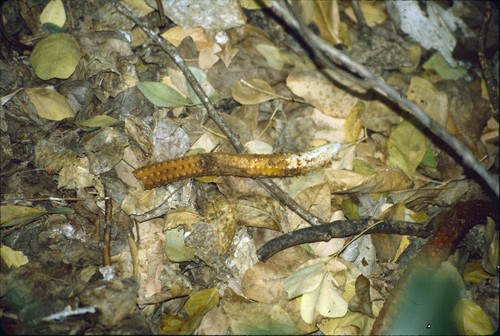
(379, 85)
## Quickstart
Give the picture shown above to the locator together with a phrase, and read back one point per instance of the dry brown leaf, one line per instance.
(259, 318)
(227, 54)
(208, 56)
(176, 34)
(259, 211)
(316, 200)
(253, 91)
(388, 244)
(348, 181)
(263, 282)
(220, 215)
(361, 301)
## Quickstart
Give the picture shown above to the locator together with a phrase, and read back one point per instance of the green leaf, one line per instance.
(161, 95)
(429, 160)
(443, 69)
(56, 56)
(363, 168)
(350, 209)
(100, 121)
(406, 146)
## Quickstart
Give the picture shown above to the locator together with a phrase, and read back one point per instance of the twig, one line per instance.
(379, 85)
(340, 229)
(108, 217)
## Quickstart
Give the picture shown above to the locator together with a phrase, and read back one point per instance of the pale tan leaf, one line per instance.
(175, 249)
(272, 55)
(319, 91)
(182, 216)
(176, 34)
(54, 13)
(50, 104)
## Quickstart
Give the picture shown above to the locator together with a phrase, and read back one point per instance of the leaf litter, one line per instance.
(95, 99)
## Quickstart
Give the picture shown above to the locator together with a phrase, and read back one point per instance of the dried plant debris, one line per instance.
(132, 203)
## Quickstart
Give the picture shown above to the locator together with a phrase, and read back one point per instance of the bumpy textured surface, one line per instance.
(223, 164)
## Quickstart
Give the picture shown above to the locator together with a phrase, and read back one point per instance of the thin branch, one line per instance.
(340, 229)
(380, 86)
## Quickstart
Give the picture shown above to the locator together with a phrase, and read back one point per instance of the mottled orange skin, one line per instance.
(218, 164)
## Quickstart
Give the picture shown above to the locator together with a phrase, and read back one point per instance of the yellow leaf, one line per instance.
(54, 13)
(202, 302)
(50, 104)
(405, 242)
(471, 319)
(474, 272)
(429, 99)
(406, 146)
(56, 56)
(140, 7)
(353, 124)
(13, 258)
(175, 325)
(415, 52)
(373, 14)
